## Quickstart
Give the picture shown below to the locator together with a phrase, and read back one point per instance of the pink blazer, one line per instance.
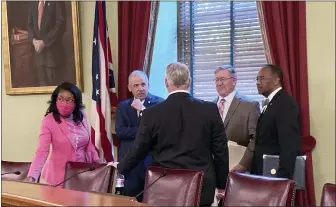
(63, 150)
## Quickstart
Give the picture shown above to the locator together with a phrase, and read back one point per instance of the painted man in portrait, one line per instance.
(46, 26)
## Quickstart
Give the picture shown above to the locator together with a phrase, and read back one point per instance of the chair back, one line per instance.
(12, 167)
(328, 197)
(252, 190)
(98, 180)
(176, 187)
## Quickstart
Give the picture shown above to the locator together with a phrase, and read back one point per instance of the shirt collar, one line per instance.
(270, 97)
(143, 101)
(229, 97)
(178, 91)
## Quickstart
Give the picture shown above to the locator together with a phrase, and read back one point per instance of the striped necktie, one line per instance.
(264, 104)
(221, 107)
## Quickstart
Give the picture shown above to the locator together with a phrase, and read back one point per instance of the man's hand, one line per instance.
(34, 42)
(137, 105)
(238, 168)
(114, 164)
(220, 194)
(39, 45)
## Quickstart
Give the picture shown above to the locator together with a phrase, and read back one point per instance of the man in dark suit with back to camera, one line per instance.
(278, 128)
(183, 133)
(127, 123)
(46, 26)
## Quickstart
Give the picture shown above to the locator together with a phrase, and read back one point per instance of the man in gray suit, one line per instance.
(239, 114)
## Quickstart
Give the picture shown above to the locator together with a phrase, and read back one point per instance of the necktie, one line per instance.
(40, 13)
(221, 107)
(265, 102)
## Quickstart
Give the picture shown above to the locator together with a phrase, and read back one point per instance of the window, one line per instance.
(211, 34)
(165, 47)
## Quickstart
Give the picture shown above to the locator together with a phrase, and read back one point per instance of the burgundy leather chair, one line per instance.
(251, 190)
(11, 168)
(328, 197)
(176, 187)
(98, 177)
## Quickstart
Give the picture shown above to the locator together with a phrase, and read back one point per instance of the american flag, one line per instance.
(103, 87)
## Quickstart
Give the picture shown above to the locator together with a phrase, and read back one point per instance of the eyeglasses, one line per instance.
(62, 100)
(222, 80)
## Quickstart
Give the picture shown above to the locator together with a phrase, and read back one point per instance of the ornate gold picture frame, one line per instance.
(40, 46)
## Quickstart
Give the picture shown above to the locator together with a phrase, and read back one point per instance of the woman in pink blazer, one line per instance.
(65, 127)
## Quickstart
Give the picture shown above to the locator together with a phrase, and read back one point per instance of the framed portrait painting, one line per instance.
(40, 45)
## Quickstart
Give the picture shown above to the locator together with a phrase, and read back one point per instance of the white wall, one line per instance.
(321, 81)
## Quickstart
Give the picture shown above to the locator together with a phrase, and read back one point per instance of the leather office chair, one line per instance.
(251, 190)
(12, 167)
(328, 197)
(98, 179)
(175, 187)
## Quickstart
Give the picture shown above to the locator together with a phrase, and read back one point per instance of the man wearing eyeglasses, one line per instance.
(239, 114)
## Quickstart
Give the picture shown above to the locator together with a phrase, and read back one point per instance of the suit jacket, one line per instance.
(278, 133)
(63, 150)
(127, 122)
(183, 133)
(240, 125)
(51, 32)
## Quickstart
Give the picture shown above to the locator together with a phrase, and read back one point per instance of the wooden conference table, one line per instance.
(32, 194)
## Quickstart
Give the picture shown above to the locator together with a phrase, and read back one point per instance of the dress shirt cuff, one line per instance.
(140, 112)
